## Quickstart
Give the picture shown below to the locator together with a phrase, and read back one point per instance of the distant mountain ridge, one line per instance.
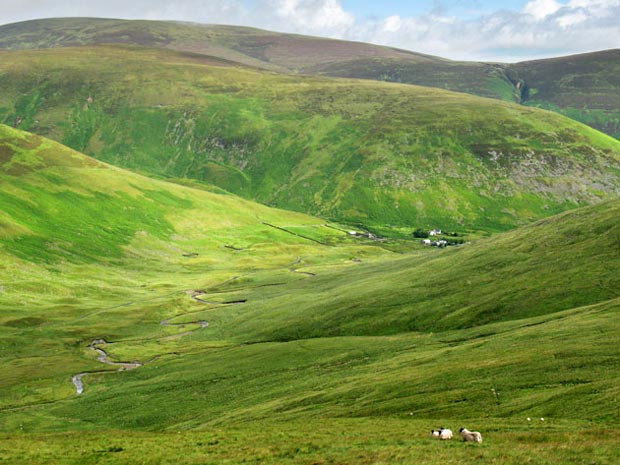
(583, 87)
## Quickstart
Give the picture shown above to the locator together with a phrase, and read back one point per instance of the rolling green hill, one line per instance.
(356, 151)
(290, 343)
(583, 87)
(280, 52)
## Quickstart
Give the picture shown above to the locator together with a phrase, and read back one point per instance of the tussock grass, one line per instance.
(338, 441)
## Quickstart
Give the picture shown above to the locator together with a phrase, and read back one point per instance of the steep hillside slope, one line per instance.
(61, 207)
(583, 87)
(357, 151)
(554, 265)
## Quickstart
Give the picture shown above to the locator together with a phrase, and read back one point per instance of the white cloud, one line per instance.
(543, 28)
(392, 24)
(571, 19)
(540, 9)
(317, 17)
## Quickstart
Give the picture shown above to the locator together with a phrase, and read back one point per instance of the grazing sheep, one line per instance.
(442, 433)
(473, 436)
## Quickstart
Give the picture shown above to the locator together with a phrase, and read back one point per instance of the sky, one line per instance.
(483, 30)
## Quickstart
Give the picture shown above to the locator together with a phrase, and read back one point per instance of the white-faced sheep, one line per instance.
(473, 436)
(434, 433)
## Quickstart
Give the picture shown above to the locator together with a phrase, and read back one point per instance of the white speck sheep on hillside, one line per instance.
(473, 436)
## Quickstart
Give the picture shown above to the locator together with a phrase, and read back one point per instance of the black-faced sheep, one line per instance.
(442, 433)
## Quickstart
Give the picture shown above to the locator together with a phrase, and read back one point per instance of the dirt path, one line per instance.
(295, 234)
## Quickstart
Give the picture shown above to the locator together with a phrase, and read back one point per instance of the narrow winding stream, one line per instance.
(103, 358)
(123, 366)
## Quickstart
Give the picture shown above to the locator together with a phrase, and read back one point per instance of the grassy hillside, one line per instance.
(521, 274)
(288, 344)
(60, 206)
(78, 238)
(583, 87)
(356, 151)
(286, 53)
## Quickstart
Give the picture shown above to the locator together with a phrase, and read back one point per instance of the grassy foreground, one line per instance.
(340, 441)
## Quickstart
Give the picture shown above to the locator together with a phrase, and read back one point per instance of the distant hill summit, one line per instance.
(357, 151)
(250, 46)
(584, 87)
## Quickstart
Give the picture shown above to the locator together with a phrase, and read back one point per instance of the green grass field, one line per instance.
(340, 441)
(320, 347)
(170, 319)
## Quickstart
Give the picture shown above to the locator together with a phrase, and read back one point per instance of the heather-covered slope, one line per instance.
(583, 87)
(248, 46)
